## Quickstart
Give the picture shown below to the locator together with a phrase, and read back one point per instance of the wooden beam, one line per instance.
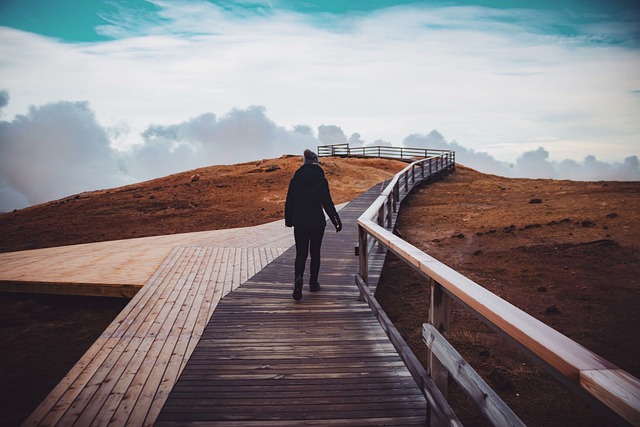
(439, 409)
(488, 402)
(82, 289)
(616, 388)
(439, 318)
(563, 355)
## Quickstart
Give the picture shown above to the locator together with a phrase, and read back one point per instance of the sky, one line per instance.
(101, 93)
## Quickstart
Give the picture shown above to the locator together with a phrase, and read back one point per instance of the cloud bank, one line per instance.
(534, 163)
(503, 81)
(60, 149)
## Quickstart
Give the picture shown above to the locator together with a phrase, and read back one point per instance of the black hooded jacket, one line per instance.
(308, 194)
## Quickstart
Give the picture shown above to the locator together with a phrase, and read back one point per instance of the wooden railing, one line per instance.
(399, 153)
(611, 390)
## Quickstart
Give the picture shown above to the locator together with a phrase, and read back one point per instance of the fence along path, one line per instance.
(611, 390)
(264, 359)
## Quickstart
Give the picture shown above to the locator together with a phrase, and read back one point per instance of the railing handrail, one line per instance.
(586, 373)
(400, 153)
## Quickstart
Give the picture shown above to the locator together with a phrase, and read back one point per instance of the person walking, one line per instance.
(307, 196)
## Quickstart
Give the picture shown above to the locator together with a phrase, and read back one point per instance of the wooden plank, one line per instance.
(83, 289)
(439, 318)
(217, 289)
(617, 388)
(251, 262)
(123, 361)
(559, 354)
(196, 303)
(396, 421)
(440, 412)
(54, 405)
(490, 404)
(128, 372)
(260, 346)
(148, 377)
(129, 262)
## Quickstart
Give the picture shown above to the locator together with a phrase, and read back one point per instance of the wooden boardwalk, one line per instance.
(120, 267)
(264, 359)
(181, 354)
(126, 375)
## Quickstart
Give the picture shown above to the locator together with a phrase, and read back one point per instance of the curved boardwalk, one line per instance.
(264, 359)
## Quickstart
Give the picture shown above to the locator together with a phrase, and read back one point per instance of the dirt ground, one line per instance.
(565, 252)
(211, 198)
(42, 336)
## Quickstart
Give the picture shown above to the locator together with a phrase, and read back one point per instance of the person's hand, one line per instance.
(337, 223)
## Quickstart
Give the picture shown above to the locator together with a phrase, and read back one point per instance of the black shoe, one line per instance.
(297, 288)
(314, 287)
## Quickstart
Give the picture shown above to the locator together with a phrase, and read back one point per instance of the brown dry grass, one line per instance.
(233, 196)
(565, 252)
(577, 250)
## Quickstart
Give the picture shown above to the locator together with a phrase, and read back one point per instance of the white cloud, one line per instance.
(239, 136)
(533, 163)
(60, 149)
(490, 77)
(53, 151)
(4, 99)
(498, 81)
(331, 134)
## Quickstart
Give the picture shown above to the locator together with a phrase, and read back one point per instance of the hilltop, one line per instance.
(210, 198)
(565, 252)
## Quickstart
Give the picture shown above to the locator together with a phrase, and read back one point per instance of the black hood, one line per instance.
(309, 176)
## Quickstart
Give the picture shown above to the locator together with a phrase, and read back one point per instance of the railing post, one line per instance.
(394, 198)
(381, 216)
(406, 181)
(363, 254)
(422, 168)
(389, 214)
(438, 317)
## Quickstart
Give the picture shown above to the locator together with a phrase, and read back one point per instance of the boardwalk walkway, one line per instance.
(122, 267)
(126, 375)
(264, 359)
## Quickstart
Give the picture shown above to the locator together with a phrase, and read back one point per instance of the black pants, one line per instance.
(308, 240)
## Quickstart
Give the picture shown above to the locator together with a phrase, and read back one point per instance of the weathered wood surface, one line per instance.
(587, 373)
(440, 412)
(119, 267)
(126, 375)
(489, 403)
(266, 360)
